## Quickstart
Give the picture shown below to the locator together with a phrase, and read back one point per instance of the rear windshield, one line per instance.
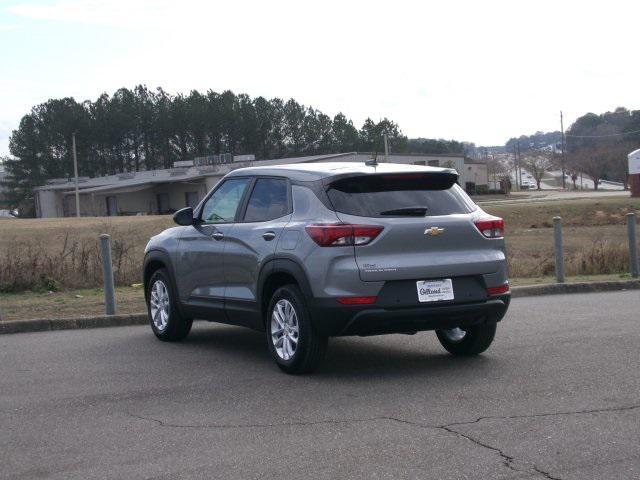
(399, 196)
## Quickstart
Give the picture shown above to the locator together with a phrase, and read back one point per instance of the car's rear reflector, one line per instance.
(498, 290)
(490, 227)
(342, 234)
(357, 300)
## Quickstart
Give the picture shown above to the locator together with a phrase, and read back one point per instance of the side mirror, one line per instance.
(184, 216)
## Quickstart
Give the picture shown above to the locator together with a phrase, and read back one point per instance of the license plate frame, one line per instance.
(438, 290)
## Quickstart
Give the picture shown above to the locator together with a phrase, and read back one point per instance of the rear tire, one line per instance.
(474, 340)
(293, 343)
(166, 321)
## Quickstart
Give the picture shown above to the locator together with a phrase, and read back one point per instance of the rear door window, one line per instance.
(269, 200)
(399, 195)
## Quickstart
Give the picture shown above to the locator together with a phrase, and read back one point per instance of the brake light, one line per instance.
(357, 300)
(342, 234)
(498, 290)
(490, 227)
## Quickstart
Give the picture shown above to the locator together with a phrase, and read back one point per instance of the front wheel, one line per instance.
(294, 344)
(166, 322)
(468, 341)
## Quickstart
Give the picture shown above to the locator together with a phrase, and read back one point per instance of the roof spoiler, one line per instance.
(411, 180)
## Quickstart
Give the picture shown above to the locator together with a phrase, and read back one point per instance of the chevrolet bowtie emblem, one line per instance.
(434, 231)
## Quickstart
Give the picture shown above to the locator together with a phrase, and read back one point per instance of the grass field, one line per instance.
(69, 303)
(58, 254)
(594, 235)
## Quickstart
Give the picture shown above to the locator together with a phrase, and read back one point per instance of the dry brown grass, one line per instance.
(46, 254)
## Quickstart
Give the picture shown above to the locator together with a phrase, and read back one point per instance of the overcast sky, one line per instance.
(480, 71)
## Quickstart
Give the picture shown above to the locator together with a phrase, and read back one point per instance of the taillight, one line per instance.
(498, 290)
(342, 234)
(490, 227)
(357, 300)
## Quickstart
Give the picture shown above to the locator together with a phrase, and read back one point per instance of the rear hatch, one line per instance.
(429, 230)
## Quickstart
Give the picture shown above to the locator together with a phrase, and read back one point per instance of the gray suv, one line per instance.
(309, 251)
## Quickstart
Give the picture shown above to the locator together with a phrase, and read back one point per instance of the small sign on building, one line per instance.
(244, 158)
(183, 164)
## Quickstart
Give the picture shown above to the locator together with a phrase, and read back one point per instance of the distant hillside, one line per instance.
(537, 140)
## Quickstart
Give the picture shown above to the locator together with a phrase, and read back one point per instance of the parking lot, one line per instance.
(557, 396)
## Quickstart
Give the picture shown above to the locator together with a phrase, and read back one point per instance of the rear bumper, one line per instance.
(333, 319)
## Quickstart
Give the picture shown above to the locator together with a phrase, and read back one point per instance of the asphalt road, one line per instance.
(557, 396)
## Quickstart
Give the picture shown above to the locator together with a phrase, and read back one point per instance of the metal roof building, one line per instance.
(165, 191)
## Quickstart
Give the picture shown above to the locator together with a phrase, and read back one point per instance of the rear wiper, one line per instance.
(410, 211)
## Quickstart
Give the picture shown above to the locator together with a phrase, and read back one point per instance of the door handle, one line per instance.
(217, 235)
(268, 236)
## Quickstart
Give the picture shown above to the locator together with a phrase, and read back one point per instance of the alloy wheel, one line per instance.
(284, 329)
(159, 305)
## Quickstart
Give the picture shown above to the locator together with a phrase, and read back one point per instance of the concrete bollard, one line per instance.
(633, 244)
(107, 273)
(557, 235)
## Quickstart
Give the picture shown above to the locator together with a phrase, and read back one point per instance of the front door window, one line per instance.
(222, 206)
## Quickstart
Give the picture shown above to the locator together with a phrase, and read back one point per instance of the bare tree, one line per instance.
(574, 178)
(499, 170)
(538, 161)
(592, 161)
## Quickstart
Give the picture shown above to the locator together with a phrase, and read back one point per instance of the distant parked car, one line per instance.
(8, 213)
(306, 252)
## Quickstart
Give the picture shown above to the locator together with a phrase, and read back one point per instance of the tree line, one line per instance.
(137, 129)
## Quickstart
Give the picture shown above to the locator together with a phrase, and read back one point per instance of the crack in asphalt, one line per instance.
(553, 414)
(378, 418)
(263, 425)
(507, 460)
(546, 474)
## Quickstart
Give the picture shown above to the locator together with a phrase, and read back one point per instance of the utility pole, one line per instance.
(519, 167)
(515, 166)
(75, 172)
(562, 143)
(386, 148)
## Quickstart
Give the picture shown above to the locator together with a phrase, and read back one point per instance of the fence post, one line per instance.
(633, 244)
(557, 235)
(107, 273)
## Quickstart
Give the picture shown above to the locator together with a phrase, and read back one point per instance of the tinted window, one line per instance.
(223, 204)
(268, 200)
(399, 195)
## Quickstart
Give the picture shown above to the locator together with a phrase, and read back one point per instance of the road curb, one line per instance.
(578, 287)
(44, 325)
(102, 321)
